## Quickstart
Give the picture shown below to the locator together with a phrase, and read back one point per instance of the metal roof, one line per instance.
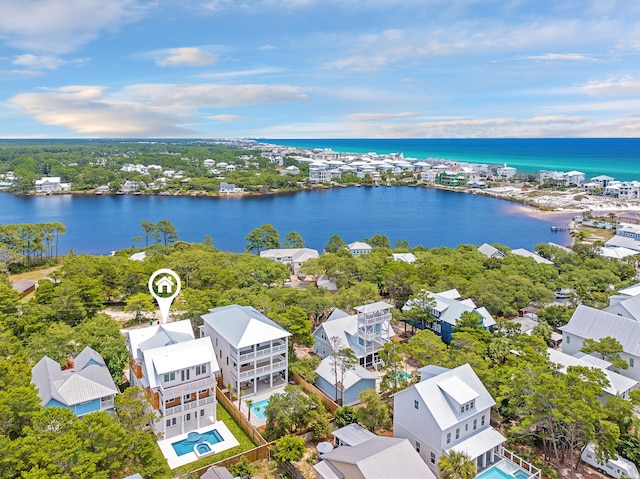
(588, 322)
(159, 335)
(479, 443)
(351, 377)
(372, 307)
(243, 326)
(352, 434)
(529, 254)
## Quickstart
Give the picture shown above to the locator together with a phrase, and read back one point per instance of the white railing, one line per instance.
(518, 461)
(187, 406)
(106, 404)
(276, 349)
(190, 387)
(262, 370)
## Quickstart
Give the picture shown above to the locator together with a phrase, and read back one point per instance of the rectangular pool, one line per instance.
(258, 408)
(185, 446)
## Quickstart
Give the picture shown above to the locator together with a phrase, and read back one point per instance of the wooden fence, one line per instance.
(311, 389)
(244, 423)
(252, 455)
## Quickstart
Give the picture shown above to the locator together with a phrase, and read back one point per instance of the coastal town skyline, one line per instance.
(310, 69)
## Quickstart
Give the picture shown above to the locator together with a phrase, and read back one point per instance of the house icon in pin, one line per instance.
(165, 285)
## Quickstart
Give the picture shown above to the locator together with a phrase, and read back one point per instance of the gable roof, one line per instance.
(352, 434)
(529, 254)
(618, 383)
(296, 254)
(173, 357)
(358, 245)
(351, 377)
(490, 251)
(451, 308)
(22, 285)
(380, 458)
(88, 380)
(372, 307)
(157, 336)
(243, 326)
(438, 391)
(588, 322)
(628, 308)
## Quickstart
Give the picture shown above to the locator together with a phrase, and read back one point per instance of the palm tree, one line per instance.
(456, 465)
(249, 403)
(230, 388)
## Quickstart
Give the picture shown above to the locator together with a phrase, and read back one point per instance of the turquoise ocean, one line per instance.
(616, 157)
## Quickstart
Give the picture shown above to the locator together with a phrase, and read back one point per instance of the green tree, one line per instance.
(262, 238)
(379, 241)
(607, 348)
(345, 415)
(342, 361)
(375, 413)
(293, 240)
(140, 304)
(133, 411)
(456, 465)
(288, 448)
(334, 244)
(166, 231)
(150, 230)
(296, 321)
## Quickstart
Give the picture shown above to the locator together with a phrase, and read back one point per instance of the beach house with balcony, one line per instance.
(365, 332)
(178, 372)
(445, 310)
(252, 350)
(85, 387)
(358, 247)
(51, 184)
(292, 257)
(448, 410)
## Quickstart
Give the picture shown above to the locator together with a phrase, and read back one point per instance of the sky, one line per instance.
(319, 68)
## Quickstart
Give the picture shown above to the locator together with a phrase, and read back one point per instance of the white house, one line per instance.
(229, 188)
(252, 350)
(358, 247)
(375, 458)
(447, 411)
(490, 251)
(530, 254)
(292, 257)
(51, 184)
(179, 374)
(595, 324)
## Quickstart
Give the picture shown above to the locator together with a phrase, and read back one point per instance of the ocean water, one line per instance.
(616, 157)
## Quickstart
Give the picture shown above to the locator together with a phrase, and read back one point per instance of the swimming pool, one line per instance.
(194, 441)
(504, 470)
(403, 376)
(258, 408)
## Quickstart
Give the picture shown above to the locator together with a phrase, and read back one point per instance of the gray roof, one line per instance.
(439, 392)
(296, 254)
(451, 308)
(351, 377)
(88, 380)
(380, 458)
(157, 336)
(633, 290)
(588, 322)
(372, 307)
(431, 370)
(624, 242)
(530, 254)
(217, 472)
(352, 434)
(628, 308)
(618, 384)
(22, 285)
(490, 251)
(243, 326)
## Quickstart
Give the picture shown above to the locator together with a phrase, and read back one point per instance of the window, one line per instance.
(482, 421)
(227, 360)
(216, 342)
(324, 350)
(461, 409)
(188, 417)
(475, 424)
(471, 404)
(168, 422)
(187, 398)
(185, 374)
(568, 339)
(466, 407)
(169, 377)
(631, 361)
(448, 438)
(415, 403)
(221, 354)
(432, 458)
(201, 369)
(466, 427)
(201, 412)
(457, 433)
(417, 447)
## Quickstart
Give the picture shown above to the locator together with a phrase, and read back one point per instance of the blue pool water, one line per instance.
(258, 408)
(193, 439)
(494, 473)
(402, 375)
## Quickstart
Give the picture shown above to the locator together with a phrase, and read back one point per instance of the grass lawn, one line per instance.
(236, 430)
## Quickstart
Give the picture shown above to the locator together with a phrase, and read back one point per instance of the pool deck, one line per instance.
(256, 421)
(228, 441)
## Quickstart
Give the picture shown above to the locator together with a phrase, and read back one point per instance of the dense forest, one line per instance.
(536, 404)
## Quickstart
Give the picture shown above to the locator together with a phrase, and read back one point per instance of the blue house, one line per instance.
(351, 385)
(84, 388)
(445, 310)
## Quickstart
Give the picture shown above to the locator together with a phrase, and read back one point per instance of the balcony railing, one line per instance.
(533, 471)
(374, 318)
(106, 404)
(190, 387)
(167, 411)
(252, 372)
(277, 348)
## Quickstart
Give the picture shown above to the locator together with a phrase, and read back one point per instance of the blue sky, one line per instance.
(319, 68)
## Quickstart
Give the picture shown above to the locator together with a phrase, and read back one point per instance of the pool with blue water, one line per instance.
(258, 408)
(185, 446)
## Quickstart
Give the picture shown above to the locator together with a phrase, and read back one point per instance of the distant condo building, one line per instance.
(562, 178)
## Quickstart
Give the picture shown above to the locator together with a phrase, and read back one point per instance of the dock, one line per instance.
(560, 228)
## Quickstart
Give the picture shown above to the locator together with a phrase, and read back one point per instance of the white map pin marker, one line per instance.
(164, 285)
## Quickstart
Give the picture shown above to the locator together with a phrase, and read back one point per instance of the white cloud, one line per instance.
(238, 74)
(61, 26)
(379, 116)
(625, 86)
(143, 110)
(227, 118)
(187, 56)
(562, 57)
(38, 62)
(26, 73)
(267, 47)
